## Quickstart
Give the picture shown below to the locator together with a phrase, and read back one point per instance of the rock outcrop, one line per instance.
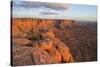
(22, 41)
(20, 26)
(23, 55)
(49, 41)
(37, 36)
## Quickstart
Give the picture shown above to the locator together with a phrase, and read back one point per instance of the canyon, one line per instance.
(50, 41)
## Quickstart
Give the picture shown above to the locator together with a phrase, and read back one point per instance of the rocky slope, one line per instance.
(36, 42)
(49, 41)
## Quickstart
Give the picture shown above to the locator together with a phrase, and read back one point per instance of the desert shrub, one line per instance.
(36, 36)
(33, 35)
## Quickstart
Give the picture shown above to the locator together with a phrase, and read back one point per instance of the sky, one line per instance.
(28, 9)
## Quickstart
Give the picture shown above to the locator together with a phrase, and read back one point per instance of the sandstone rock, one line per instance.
(43, 50)
(41, 57)
(22, 41)
(66, 55)
(45, 44)
(26, 24)
(55, 55)
(35, 44)
(66, 23)
(23, 55)
(63, 50)
(48, 34)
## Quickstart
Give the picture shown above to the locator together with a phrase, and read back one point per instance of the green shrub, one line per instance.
(35, 36)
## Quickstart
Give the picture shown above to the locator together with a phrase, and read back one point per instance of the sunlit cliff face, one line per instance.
(36, 24)
(38, 33)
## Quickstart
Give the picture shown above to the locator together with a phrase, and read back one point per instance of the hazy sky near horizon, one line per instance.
(28, 9)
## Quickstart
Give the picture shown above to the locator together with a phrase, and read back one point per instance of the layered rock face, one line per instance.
(34, 42)
(20, 25)
(64, 23)
(82, 42)
(49, 41)
(26, 24)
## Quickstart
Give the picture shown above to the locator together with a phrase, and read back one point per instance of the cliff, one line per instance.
(49, 41)
(37, 35)
(26, 24)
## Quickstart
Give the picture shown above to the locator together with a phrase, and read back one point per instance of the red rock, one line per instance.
(63, 49)
(48, 34)
(55, 55)
(67, 57)
(42, 51)
(41, 57)
(22, 42)
(23, 55)
(45, 44)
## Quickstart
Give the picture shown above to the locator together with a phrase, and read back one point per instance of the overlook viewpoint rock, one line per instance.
(50, 41)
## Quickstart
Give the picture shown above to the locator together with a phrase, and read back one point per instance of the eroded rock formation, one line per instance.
(37, 36)
(49, 41)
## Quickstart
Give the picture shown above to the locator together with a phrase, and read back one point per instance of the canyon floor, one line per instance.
(50, 41)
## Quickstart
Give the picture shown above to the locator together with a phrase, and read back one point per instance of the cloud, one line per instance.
(49, 13)
(44, 8)
(28, 4)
